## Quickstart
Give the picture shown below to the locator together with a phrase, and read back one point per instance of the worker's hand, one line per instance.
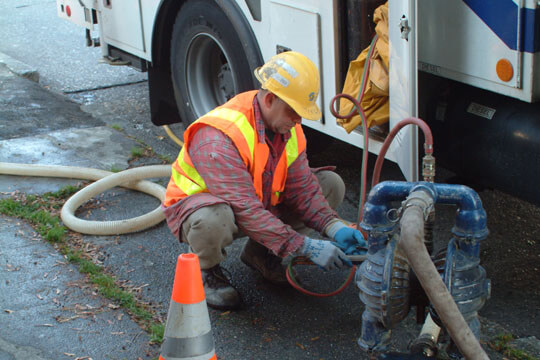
(324, 253)
(350, 241)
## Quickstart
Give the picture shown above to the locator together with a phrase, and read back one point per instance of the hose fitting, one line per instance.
(428, 167)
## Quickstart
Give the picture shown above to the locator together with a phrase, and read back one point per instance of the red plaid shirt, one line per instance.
(229, 181)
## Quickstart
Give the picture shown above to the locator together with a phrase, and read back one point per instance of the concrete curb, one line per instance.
(19, 68)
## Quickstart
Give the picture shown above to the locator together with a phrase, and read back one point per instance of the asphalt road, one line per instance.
(70, 119)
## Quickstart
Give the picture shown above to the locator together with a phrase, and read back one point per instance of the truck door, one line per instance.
(121, 25)
(403, 84)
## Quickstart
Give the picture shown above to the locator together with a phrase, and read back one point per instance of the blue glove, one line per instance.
(324, 253)
(351, 241)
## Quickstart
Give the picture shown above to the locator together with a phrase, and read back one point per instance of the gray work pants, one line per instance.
(210, 229)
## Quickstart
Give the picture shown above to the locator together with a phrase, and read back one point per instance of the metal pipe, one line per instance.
(412, 238)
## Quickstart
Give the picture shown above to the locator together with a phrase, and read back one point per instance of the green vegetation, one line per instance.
(501, 343)
(156, 333)
(137, 152)
(143, 149)
(41, 212)
(149, 151)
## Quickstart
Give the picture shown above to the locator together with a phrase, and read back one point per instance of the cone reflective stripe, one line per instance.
(188, 334)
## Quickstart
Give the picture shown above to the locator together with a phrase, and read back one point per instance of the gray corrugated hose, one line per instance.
(105, 180)
(412, 239)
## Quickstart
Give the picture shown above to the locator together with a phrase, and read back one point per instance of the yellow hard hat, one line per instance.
(294, 79)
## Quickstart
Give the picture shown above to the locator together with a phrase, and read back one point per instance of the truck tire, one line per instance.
(211, 59)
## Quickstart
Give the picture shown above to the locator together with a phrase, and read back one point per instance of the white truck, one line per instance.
(478, 82)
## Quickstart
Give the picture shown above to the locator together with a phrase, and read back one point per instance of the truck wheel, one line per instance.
(209, 63)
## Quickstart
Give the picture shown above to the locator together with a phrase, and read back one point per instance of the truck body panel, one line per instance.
(488, 45)
(467, 43)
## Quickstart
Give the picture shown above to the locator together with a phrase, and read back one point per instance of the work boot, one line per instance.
(218, 290)
(259, 258)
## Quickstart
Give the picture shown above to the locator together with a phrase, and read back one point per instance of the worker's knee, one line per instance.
(333, 187)
(210, 224)
(207, 231)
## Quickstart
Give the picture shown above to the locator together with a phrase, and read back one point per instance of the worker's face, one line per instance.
(279, 116)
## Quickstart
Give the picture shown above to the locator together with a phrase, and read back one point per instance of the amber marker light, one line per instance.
(505, 71)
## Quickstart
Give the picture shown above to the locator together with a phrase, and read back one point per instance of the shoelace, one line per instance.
(216, 276)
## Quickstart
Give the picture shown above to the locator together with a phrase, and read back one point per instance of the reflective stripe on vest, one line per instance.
(240, 121)
(291, 150)
(190, 182)
(239, 126)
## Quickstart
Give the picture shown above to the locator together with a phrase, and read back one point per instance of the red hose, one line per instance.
(296, 285)
(428, 145)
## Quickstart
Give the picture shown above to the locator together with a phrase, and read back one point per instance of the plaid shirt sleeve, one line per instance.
(304, 196)
(218, 162)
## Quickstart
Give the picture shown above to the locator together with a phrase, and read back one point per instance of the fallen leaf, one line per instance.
(138, 288)
(117, 333)
(63, 320)
(119, 317)
(300, 346)
(225, 313)
(8, 311)
(68, 354)
(315, 338)
(113, 306)
(39, 297)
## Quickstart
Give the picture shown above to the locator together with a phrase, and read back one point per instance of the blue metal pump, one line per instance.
(385, 277)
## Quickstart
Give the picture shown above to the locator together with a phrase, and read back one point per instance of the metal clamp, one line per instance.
(394, 215)
(425, 207)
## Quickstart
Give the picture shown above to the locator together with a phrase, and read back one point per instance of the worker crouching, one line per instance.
(243, 171)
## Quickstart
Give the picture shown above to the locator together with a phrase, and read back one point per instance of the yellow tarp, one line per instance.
(375, 101)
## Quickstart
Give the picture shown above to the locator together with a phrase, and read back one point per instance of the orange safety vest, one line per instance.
(236, 120)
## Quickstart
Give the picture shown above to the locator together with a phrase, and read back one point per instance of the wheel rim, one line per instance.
(209, 74)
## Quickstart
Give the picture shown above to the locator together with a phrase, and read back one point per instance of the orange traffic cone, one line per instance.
(188, 334)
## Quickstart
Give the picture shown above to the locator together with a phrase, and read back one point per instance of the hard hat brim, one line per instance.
(309, 113)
